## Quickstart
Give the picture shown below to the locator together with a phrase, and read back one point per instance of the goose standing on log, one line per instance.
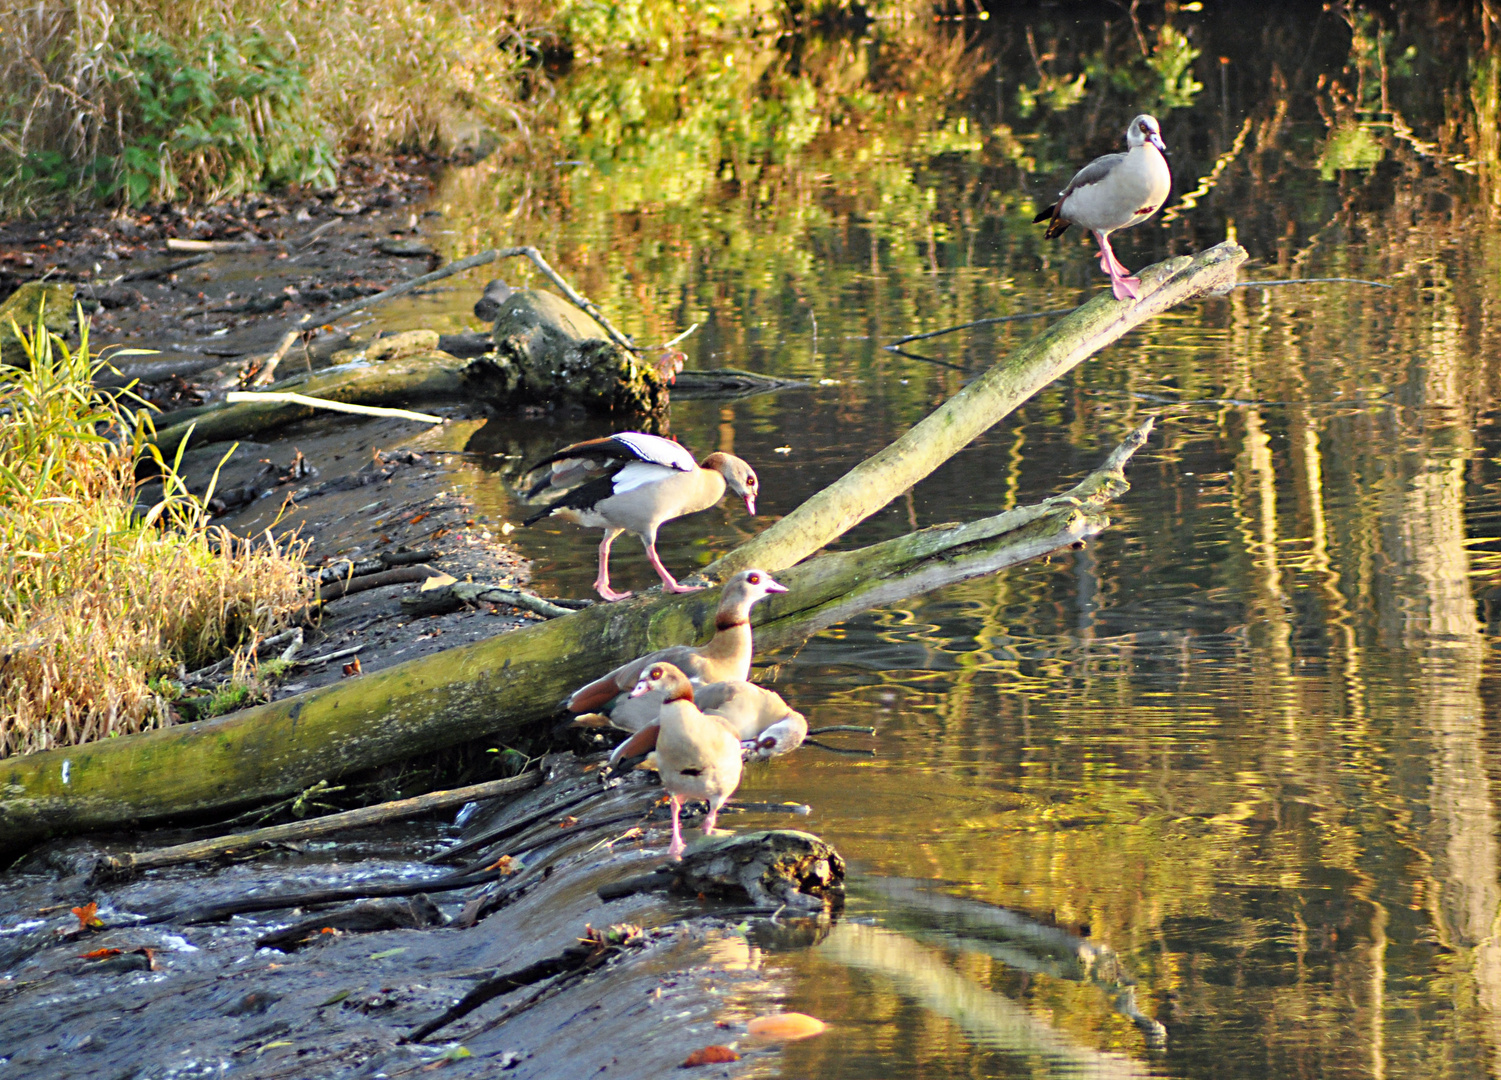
(727, 655)
(633, 482)
(1115, 192)
(697, 755)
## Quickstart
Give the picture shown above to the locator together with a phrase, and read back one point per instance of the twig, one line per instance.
(267, 373)
(291, 650)
(891, 346)
(842, 727)
(319, 231)
(399, 575)
(847, 751)
(321, 826)
(265, 645)
(326, 657)
(163, 271)
(1271, 283)
(176, 244)
(680, 337)
(334, 406)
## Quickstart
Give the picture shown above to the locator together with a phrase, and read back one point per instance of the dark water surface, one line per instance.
(1244, 744)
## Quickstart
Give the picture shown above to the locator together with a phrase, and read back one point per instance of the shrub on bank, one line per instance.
(101, 601)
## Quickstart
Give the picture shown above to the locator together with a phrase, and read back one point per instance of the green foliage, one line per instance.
(220, 116)
(1172, 61)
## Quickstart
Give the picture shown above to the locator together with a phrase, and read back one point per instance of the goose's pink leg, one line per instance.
(1122, 283)
(711, 819)
(676, 850)
(669, 583)
(602, 582)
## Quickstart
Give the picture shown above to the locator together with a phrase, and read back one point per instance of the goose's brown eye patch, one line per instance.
(754, 579)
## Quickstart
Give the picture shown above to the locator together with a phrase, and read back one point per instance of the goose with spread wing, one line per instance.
(633, 482)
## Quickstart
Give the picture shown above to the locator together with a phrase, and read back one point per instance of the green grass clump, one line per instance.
(102, 601)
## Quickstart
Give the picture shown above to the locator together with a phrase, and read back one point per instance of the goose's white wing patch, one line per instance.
(639, 474)
(657, 450)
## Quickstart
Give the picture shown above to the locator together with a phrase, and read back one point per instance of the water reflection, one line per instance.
(1244, 741)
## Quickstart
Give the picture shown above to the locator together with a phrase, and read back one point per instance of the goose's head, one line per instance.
(738, 477)
(667, 678)
(1145, 129)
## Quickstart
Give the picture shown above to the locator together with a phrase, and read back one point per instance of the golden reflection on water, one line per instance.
(1244, 740)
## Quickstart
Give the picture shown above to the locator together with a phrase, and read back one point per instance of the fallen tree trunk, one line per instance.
(980, 405)
(497, 685)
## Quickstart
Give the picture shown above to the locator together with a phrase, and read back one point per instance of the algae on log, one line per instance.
(563, 356)
(496, 685)
(53, 300)
(980, 405)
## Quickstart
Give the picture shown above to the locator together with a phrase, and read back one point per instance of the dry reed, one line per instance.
(101, 602)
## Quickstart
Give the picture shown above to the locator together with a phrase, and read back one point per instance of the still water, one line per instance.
(1243, 744)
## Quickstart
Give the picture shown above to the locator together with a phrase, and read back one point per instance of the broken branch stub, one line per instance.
(873, 483)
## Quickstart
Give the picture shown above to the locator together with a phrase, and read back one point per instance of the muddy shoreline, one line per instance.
(136, 997)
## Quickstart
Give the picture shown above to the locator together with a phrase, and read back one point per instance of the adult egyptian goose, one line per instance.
(633, 482)
(727, 655)
(1115, 192)
(766, 725)
(698, 757)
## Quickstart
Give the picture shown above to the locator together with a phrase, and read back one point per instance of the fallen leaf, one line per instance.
(788, 1025)
(87, 915)
(386, 953)
(150, 954)
(98, 954)
(503, 864)
(352, 668)
(710, 1055)
(419, 517)
(568, 822)
(340, 996)
(273, 1045)
(437, 581)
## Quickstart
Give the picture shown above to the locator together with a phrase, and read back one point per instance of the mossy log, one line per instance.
(980, 405)
(497, 685)
(53, 300)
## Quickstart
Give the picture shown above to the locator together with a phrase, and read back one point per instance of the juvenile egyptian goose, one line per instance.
(766, 726)
(633, 482)
(727, 655)
(697, 755)
(1115, 192)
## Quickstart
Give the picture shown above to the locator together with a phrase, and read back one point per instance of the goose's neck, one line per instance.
(732, 637)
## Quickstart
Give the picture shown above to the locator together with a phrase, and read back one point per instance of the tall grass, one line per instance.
(131, 101)
(100, 602)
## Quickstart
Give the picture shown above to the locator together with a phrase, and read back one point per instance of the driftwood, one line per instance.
(497, 685)
(133, 862)
(268, 397)
(448, 598)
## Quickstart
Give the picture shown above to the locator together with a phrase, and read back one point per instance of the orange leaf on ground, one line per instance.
(710, 1055)
(98, 954)
(87, 915)
(789, 1025)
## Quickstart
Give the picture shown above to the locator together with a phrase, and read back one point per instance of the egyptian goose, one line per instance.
(697, 755)
(633, 482)
(1115, 192)
(766, 726)
(727, 655)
